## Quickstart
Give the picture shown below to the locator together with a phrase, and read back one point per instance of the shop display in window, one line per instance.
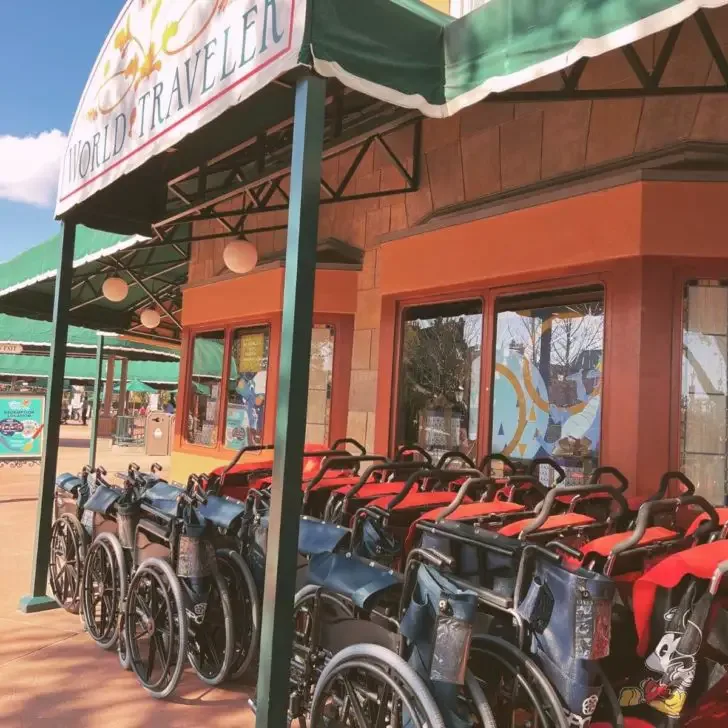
(247, 388)
(318, 412)
(202, 413)
(440, 376)
(547, 382)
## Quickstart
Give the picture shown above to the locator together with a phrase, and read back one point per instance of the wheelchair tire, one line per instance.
(122, 651)
(246, 609)
(103, 589)
(504, 666)
(67, 554)
(211, 644)
(154, 604)
(372, 677)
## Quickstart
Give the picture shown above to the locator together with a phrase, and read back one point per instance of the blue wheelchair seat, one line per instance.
(361, 581)
(320, 537)
(103, 499)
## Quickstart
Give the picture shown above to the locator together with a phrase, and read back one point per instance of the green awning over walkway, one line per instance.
(38, 335)
(22, 365)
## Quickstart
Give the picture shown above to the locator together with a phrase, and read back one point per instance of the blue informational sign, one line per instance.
(21, 426)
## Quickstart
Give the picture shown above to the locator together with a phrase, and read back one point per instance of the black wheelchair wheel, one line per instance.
(246, 609)
(103, 589)
(155, 627)
(368, 686)
(68, 550)
(211, 644)
(519, 693)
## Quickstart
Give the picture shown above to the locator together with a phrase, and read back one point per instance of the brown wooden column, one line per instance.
(122, 386)
(109, 386)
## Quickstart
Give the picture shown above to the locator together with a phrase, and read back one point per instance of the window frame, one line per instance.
(548, 295)
(399, 370)
(342, 326)
(396, 305)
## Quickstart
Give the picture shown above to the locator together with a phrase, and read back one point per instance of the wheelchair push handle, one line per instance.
(193, 494)
(412, 449)
(441, 475)
(617, 474)
(577, 490)
(551, 463)
(156, 468)
(349, 441)
(454, 456)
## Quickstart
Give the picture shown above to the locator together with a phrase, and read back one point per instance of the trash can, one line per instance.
(158, 441)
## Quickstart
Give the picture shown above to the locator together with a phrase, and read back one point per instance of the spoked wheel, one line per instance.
(103, 589)
(68, 549)
(367, 686)
(520, 694)
(211, 648)
(155, 627)
(246, 609)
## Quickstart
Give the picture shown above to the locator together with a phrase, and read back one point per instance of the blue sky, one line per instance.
(47, 49)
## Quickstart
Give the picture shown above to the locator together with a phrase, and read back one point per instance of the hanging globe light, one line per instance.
(115, 289)
(150, 318)
(240, 256)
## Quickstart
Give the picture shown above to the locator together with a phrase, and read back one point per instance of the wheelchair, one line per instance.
(69, 541)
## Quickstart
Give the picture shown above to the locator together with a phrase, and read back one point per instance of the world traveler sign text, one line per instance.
(167, 68)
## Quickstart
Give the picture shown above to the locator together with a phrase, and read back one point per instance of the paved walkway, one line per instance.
(51, 674)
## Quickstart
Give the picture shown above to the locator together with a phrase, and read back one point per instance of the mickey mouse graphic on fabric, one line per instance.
(671, 666)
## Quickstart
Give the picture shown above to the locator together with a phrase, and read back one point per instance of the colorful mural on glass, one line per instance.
(547, 384)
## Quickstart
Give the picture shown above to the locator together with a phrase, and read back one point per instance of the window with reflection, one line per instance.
(547, 381)
(204, 395)
(246, 392)
(318, 413)
(704, 416)
(440, 370)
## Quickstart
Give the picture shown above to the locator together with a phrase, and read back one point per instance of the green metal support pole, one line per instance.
(282, 551)
(98, 372)
(37, 600)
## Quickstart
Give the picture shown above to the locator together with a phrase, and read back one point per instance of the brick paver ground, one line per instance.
(51, 674)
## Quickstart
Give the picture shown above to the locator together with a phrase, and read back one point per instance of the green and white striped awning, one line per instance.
(24, 365)
(37, 335)
(440, 65)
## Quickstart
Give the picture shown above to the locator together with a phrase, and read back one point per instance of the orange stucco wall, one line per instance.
(633, 239)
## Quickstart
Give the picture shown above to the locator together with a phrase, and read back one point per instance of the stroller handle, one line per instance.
(718, 575)
(665, 484)
(518, 482)
(451, 455)
(340, 459)
(571, 490)
(404, 449)
(651, 508)
(462, 492)
(387, 466)
(617, 474)
(239, 454)
(560, 472)
(441, 475)
(497, 457)
(349, 441)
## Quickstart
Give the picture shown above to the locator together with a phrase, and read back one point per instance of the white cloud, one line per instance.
(29, 167)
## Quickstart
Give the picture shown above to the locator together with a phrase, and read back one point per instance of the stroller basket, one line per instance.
(127, 518)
